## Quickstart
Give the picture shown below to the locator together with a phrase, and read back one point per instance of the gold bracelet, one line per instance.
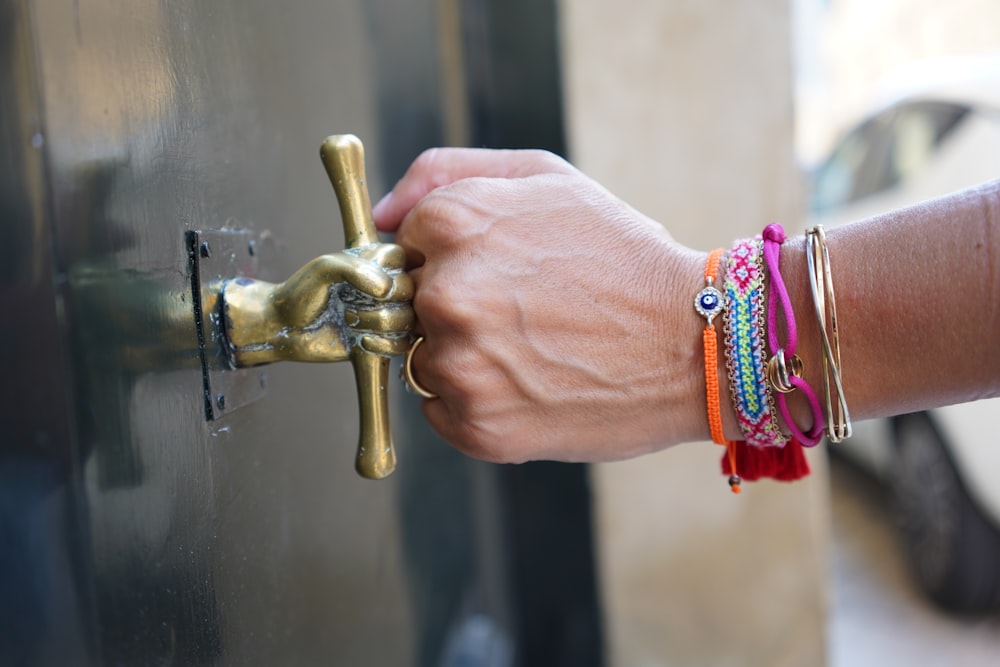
(821, 283)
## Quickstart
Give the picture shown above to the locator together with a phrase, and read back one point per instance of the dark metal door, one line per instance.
(134, 530)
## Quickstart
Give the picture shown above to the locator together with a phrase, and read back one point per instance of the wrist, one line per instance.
(684, 364)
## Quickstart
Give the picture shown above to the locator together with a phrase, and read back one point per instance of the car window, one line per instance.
(848, 172)
(918, 131)
(884, 152)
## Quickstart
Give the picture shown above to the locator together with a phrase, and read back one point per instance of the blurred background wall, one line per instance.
(684, 109)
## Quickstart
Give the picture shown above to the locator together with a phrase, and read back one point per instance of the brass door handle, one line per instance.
(354, 304)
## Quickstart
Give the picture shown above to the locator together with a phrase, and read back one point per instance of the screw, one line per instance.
(206, 250)
(220, 400)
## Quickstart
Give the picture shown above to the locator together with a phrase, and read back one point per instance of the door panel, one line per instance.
(135, 530)
(248, 540)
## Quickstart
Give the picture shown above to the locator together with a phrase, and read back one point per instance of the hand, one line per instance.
(557, 320)
(325, 309)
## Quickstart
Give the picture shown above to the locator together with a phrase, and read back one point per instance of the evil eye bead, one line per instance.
(708, 303)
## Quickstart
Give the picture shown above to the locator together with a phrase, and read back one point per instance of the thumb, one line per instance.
(437, 167)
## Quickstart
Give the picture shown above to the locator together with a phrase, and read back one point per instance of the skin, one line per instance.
(559, 324)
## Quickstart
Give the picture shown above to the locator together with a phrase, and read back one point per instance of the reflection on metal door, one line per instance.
(138, 532)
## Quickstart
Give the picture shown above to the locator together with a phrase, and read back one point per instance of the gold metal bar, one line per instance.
(343, 155)
(344, 158)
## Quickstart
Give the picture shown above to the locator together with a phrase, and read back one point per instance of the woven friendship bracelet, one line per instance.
(744, 336)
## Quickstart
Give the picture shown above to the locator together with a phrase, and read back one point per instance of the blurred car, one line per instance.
(942, 468)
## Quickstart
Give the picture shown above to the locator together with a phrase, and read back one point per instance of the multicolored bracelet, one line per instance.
(744, 335)
(766, 452)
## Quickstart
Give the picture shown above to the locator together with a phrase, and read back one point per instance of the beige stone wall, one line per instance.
(684, 109)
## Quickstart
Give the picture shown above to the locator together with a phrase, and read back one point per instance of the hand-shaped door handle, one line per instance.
(354, 304)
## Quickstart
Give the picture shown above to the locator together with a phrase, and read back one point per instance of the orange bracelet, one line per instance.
(709, 303)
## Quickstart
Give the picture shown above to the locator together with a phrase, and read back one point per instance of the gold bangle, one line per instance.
(821, 282)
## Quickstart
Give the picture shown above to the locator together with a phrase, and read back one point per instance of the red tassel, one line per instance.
(786, 463)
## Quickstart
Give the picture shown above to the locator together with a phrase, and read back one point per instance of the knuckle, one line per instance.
(472, 426)
(429, 170)
(426, 161)
(440, 216)
(392, 256)
(475, 439)
(549, 161)
(442, 305)
(466, 416)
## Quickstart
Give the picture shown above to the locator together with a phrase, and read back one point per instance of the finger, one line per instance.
(392, 258)
(305, 294)
(414, 276)
(370, 279)
(438, 415)
(386, 347)
(442, 166)
(366, 276)
(453, 428)
(388, 255)
(381, 320)
(448, 215)
(403, 288)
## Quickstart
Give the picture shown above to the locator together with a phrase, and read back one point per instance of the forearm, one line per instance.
(918, 305)
(559, 322)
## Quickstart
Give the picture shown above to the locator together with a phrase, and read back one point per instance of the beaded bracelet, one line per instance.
(745, 362)
(784, 367)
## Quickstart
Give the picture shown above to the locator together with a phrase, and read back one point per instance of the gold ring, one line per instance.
(407, 372)
(780, 371)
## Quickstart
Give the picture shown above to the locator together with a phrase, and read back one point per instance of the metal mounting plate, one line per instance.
(216, 256)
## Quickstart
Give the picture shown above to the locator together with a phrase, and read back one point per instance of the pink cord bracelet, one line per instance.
(784, 368)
